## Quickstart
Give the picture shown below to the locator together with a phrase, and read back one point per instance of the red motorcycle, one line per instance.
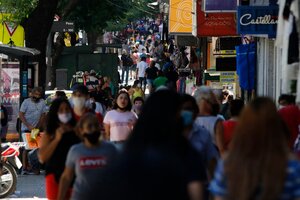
(10, 163)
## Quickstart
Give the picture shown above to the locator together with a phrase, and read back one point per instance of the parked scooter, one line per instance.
(11, 162)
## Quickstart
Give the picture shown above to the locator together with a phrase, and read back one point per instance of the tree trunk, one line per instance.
(37, 28)
(92, 39)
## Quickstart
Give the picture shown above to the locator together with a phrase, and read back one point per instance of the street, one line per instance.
(30, 187)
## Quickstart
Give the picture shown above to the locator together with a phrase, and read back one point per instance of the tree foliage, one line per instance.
(20, 9)
(136, 9)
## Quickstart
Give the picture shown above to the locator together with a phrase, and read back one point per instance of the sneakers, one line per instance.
(30, 172)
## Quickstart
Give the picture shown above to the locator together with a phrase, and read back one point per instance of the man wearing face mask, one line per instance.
(198, 136)
(32, 111)
(79, 101)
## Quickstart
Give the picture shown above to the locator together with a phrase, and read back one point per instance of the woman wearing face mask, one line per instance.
(58, 138)
(119, 122)
(86, 160)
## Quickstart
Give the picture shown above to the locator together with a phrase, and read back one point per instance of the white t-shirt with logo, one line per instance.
(121, 124)
(142, 66)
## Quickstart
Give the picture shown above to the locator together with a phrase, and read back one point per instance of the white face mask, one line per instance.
(139, 85)
(64, 117)
(79, 102)
(281, 106)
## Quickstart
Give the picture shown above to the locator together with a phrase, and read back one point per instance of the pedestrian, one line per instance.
(136, 90)
(141, 69)
(33, 111)
(86, 161)
(236, 106)
(126, 65)
(151, 75)
(79, 99)
(208, 115)
(259, 164)
(118, 123)
(157, 161)
(290, 114)
(161, 80)
(198, 136)
(58, 138)
(138, 103)
(32, 115)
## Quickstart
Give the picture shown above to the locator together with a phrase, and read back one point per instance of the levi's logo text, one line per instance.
(93, 162)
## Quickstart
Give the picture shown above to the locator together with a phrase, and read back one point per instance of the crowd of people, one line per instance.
(167, 146)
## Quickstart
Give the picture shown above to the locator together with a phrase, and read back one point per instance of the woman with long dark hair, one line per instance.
(258, 165)
(157, 162)
(58, 138)
(118, 123)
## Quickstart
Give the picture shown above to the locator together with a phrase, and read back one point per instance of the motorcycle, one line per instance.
(10, 162)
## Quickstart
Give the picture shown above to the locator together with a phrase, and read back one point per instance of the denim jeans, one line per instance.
(125, 69)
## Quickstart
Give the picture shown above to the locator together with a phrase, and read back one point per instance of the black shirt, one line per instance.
(56, 163)
(151, 73)
(156, 173)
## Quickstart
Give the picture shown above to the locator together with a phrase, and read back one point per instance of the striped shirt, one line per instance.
(291, 190)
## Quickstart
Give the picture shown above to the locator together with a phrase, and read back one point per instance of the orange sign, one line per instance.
(181, 17)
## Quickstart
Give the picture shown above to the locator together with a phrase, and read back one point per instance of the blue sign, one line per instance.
(220, 5)
(24, 89)
(258, 20)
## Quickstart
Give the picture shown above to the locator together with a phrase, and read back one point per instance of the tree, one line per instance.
(36, 16)
(138, 9)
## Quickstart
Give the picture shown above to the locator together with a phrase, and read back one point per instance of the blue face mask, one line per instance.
(187, 117)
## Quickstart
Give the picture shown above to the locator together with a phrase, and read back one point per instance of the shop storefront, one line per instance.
(259, 24)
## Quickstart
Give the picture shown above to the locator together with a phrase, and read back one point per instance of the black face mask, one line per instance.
(35, 99)
(92, 137)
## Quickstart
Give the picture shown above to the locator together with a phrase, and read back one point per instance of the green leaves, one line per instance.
(19, 9)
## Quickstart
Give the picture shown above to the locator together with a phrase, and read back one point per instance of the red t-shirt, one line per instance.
(99, 116)
(291, 117)
(228, 129)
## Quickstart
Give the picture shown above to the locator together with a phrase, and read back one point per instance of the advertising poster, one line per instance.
(10, 93)
(181, 17)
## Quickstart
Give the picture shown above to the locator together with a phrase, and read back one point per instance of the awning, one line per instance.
(18, 52)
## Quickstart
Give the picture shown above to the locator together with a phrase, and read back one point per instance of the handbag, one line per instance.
(246, 65)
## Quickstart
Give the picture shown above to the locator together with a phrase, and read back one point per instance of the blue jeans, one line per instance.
(125, 69)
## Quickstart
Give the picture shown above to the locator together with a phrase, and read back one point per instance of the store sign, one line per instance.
(215, 24)
(181, 17)
(228, 77)
(258, 20)
(220, 5)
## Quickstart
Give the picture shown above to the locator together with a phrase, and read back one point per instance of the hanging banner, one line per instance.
(258, 20)
(220, 6)
(215, 24)
(181, 17)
